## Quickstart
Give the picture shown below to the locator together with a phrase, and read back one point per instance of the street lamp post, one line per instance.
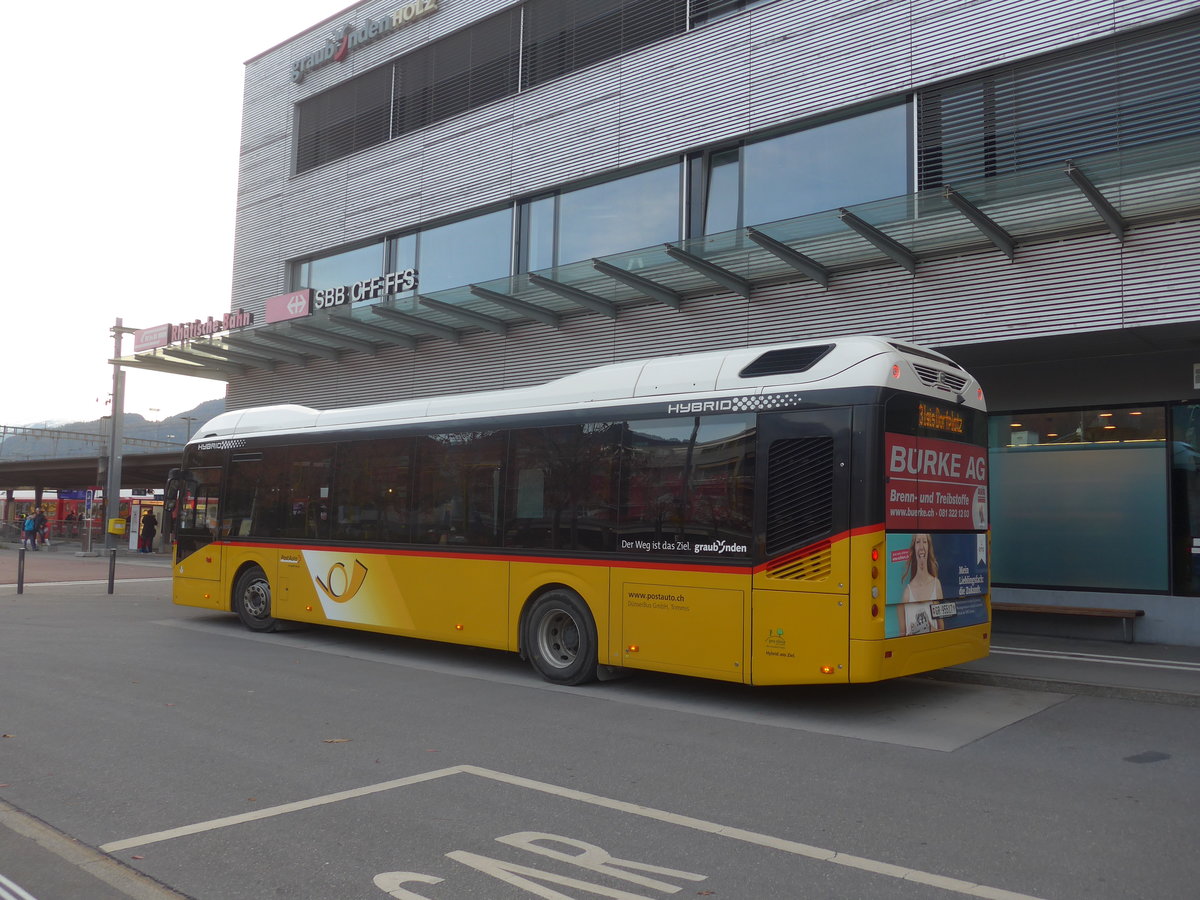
(112, 487)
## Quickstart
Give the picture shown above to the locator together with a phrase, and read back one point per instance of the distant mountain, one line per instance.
(46, 445)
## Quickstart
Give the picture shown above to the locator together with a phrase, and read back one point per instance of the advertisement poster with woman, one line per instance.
(935, 582)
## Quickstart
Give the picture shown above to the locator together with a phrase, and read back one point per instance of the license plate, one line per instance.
(943, 610)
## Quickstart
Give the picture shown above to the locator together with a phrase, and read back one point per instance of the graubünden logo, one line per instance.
(348, 38)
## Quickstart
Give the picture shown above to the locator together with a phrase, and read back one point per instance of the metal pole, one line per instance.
(21, 571)
(112, 487)
(112, 568)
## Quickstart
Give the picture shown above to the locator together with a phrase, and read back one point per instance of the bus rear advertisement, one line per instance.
(810, 512)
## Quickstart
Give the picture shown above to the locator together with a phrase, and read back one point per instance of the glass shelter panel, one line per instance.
(1079, 499)
(1185, 497)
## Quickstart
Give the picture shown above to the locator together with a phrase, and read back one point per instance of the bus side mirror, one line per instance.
(179, 483)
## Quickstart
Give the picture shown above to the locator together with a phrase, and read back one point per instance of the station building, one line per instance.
(439, 196)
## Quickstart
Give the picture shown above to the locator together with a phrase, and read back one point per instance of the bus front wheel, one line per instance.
(252, 600)
(560, 638)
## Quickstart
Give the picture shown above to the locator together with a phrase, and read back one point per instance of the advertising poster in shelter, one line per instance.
(935, 581)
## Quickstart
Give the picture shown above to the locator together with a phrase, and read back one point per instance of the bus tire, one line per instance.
(560, 638)
(252, 600)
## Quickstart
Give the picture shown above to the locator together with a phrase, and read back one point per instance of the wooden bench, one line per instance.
(1127, 616)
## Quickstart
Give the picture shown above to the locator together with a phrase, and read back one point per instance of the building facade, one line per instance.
(440, 196)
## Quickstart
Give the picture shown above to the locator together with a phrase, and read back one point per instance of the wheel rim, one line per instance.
(256, 600)
(558, 638)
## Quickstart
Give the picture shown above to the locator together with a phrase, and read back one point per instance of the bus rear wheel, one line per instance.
(560, 638)
(252, 600)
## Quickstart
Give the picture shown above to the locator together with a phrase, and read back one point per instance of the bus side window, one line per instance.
(458, 487)
(199, 510)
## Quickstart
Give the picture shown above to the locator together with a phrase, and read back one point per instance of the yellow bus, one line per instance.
(807, 512)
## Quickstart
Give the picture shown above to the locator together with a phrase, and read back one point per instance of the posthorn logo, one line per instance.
(340, 586)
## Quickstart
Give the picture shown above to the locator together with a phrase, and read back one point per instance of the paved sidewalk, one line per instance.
(60, 563)
(1150, 672)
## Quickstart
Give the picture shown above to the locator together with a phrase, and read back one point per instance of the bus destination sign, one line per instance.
(937, 418)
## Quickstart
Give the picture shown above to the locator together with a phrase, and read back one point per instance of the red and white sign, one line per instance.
(935, 485)
(289, 306)
(151, 338)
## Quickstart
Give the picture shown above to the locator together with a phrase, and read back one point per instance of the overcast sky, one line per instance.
(121, 129)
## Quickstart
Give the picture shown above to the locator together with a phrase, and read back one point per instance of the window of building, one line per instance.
(850, 161)
(702, 11)
(853, 160)
(722, 197)
(345, 119)
(462, 71)
(339, 268)
(540, 39)
(1079, 499)
(626, 213)
(1127, 89)
(465, 252)
(539, 228)
(563, 36)
(402, 255)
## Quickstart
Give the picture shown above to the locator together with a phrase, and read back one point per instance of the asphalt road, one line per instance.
(161, 751)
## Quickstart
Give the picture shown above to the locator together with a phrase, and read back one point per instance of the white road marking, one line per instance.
(809, 851)
(10, 890)
(1139, 662)
(272, 811)
(42, 584)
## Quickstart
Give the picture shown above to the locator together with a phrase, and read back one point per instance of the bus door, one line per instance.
(801, 593)
(194, 519)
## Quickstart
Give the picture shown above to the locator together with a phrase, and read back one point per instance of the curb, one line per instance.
(108, 869)
(1024, 683)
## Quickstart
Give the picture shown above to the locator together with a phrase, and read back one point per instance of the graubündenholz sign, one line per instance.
(349, 38)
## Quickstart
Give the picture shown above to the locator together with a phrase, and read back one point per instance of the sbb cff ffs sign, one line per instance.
(367, 289)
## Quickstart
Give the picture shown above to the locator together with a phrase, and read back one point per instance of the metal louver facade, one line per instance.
(769, 65)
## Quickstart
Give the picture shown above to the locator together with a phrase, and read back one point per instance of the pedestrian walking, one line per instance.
(147, 531)
(29, 532)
